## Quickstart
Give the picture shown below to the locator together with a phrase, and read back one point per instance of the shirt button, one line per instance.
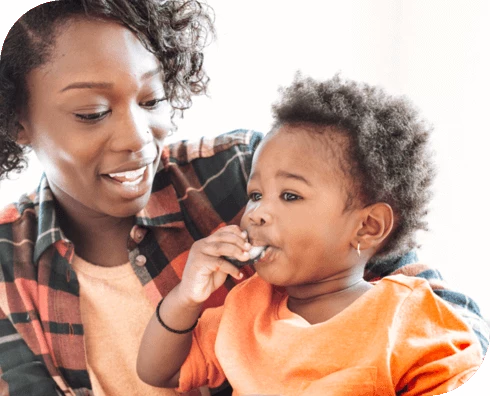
(140, 260)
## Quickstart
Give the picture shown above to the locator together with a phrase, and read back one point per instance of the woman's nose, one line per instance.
(132, 132)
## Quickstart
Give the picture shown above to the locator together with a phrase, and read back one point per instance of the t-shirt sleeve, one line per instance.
(434, 350)
(201, 366)
(409, 265)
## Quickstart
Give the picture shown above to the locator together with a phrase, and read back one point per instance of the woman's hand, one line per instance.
(206, 270)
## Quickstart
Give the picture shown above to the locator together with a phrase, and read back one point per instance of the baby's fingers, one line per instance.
(233, 229)
(225, 267)
(230, 248)
(232, 235)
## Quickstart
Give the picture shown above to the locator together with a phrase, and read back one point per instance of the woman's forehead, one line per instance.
(94, 47)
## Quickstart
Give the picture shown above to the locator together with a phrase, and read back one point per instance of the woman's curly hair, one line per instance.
(175, 31)
(387, 157)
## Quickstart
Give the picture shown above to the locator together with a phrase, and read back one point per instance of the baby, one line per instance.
(342, 179)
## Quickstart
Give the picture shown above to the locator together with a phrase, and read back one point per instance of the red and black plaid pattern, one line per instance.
(199, 187)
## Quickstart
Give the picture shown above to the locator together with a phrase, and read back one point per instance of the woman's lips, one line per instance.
(129, 178)
(130, 184)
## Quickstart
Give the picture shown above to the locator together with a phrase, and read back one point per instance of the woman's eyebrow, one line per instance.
(152, 73)
(107, 85)
(87, 85)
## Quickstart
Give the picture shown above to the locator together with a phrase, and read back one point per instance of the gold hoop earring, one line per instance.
(358, 249)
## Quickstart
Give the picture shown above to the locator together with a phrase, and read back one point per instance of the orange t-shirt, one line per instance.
(398, 338)
(115, 312)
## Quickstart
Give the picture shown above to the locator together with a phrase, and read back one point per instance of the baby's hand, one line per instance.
(206, 270)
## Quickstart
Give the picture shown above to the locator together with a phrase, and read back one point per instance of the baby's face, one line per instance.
(296, 205)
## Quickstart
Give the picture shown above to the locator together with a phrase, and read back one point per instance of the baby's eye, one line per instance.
(92, 117)
(255, 196)
(153, 104)
(290, 196)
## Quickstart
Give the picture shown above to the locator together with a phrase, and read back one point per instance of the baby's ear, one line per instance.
(376, 226)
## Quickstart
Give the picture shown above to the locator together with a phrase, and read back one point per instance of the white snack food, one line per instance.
(256, 253)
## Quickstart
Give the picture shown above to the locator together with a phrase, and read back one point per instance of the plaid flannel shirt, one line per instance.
(199, 187)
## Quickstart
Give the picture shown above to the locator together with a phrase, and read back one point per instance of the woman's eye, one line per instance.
(153, 104)
(255, 196)
(290, 197)
(91, 117)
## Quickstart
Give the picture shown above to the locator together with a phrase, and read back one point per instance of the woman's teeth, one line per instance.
(129, 178)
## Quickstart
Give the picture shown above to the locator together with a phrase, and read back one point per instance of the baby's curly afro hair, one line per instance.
(175, 31)
(387, 158)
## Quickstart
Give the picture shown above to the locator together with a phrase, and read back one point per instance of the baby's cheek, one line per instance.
(245, 220)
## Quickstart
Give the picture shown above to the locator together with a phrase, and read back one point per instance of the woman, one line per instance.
(91, 86)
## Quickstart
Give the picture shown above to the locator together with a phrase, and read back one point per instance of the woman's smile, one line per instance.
(131, 184)
(132, 179)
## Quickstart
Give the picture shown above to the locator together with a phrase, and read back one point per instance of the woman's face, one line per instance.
(96, 118)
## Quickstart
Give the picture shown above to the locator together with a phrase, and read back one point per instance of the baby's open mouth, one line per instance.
(256, 253)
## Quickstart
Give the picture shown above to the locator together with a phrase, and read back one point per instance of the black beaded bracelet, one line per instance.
(169, 328)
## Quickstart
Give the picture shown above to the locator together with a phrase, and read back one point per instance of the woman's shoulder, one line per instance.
(18, 230)
(9, 214)
(15, 211)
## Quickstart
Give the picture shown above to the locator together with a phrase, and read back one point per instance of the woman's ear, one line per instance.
(22, 135)
(377, 224)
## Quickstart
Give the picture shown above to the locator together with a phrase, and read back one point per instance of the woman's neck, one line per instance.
(320, 301)
(98, 239)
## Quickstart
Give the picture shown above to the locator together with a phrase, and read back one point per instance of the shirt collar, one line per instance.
(48, 229)
(162, 210)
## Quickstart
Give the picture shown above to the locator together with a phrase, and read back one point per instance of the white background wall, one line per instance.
(433, 51)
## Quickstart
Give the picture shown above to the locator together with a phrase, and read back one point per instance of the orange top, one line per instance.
(113, 298)
(399, 337)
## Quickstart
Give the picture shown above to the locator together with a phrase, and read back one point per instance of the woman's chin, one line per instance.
(128, 208)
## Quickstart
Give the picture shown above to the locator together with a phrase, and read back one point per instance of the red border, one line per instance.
(12, 10)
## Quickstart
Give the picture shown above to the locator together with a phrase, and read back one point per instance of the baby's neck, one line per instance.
(320, 302)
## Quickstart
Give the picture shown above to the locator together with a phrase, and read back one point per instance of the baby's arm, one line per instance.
(162, 352)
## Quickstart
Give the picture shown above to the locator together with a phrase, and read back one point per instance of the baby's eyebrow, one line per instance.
(289, 175)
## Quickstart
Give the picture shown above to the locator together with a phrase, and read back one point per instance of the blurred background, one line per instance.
(435, 52)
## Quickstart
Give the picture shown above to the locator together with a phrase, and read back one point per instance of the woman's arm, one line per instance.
(162, 351)
(21, 373)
